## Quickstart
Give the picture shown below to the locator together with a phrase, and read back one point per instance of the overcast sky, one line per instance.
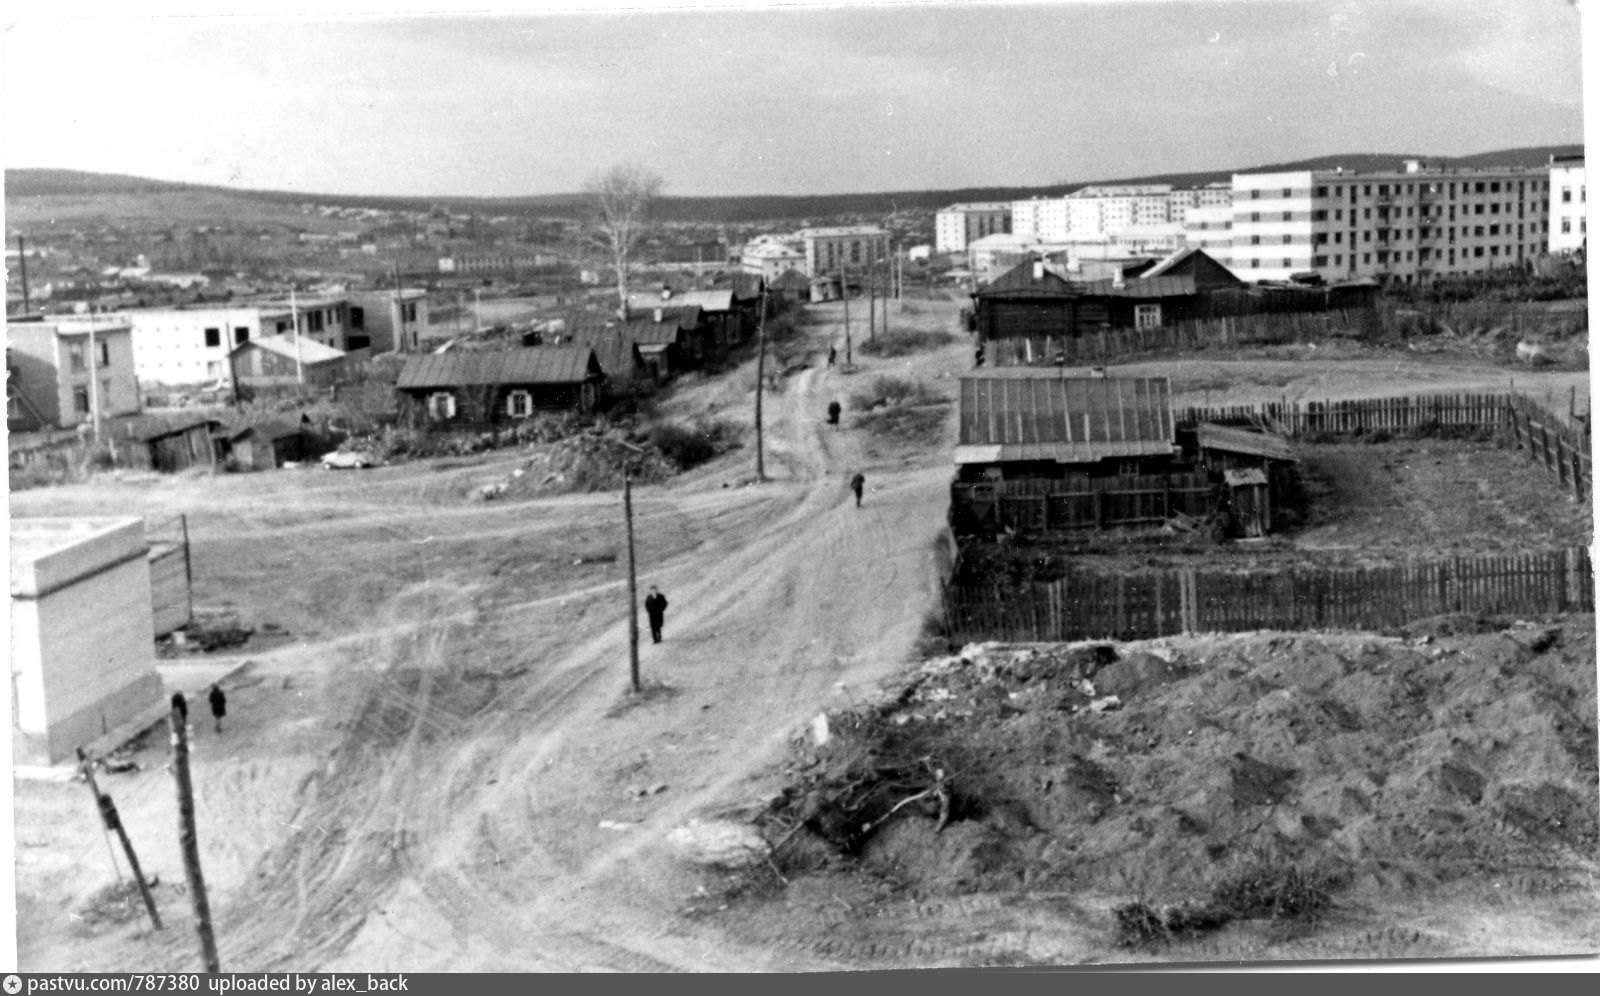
(767, 100)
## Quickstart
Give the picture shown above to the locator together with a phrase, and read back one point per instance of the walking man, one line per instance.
(655, 606)
(856, 484)
(833, 354)
(833, 413)
(219, 706)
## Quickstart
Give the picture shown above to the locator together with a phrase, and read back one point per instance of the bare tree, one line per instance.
(619, 201)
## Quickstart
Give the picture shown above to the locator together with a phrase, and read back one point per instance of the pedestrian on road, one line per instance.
(857, 483)
(219, 706)
(655, 606)
(182, 705)
(833, 354)
(833, 413)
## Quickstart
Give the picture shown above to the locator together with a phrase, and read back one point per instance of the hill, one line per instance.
(38, 183)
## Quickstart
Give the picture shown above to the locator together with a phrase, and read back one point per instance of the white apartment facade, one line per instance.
(1407, 226)
(959, 225)
(830, 250)
(1210, 228)
(188, 346)
(1039, 218)
(1569, 196)
(771, 259)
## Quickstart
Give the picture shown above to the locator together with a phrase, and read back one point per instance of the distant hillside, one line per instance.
(21, 183)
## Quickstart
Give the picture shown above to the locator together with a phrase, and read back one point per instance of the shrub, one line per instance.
(892, 390)
(695, 444)
(904, 343)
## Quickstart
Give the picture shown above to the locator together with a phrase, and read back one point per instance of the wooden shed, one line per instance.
(1256, 469)
(267, 445)
(176, 446)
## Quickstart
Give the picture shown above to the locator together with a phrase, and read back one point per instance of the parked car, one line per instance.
(347, 460)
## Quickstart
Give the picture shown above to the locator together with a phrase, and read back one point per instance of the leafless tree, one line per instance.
(620, 200)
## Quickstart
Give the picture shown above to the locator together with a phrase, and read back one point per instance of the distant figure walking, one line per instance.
(857, 483)
(182, 705)
(833, 354)
(977, 357)
(833, 412)
(655, 606)
(219, 706)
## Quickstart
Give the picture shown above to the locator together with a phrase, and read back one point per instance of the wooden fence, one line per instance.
(1561, 445)
(1114, 343)
(1085, 605)
(171, 598)
(1040, 506)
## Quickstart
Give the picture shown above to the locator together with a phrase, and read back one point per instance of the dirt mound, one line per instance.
(1353, 762)
(594, 460)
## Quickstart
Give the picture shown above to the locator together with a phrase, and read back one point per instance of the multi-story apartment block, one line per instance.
(388, 320)
(1039, 218)
(183, 346)
(1185, 199)
(1101, 210)
(1408, 225)
(959, 225)
(63, 372)
(1211, 228)
(829, 250)
(771, 258)
(1569, 225)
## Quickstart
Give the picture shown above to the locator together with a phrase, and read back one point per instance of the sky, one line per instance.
(793, 98)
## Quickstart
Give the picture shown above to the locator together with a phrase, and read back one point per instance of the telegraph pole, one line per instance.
(633, 580)
(178, 720)
(108, 813)
(22, 263)
(844, 292)
(761, 380)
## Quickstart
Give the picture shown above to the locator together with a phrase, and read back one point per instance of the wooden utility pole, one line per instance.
(844, 292)
(22, 264)
(633, 582)
(872, 302)
(177, 720)
(108, 813)
(761, 380)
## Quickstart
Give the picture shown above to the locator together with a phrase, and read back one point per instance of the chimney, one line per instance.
(658, 316)
(1415, 165)
(1117, 276)
(1038, 269)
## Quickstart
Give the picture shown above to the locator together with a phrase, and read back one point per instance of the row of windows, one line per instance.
(77, 354)
(81, 397)
(241, 335)
(1420, 256)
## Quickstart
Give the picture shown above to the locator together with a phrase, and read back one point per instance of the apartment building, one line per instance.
(388, 320)
(1408, 225)
(1569, 225)
(829, 250)
(960, 225)
(770, 259)
(187, 346)
(1210, 228)
(1100, 210)
(1038, 218)
(62, 372)
(1185, 199)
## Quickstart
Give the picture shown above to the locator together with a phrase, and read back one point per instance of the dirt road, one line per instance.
(442, 770)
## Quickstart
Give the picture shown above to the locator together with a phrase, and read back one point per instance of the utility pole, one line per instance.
(294, 320)
(761, 380)
(633, 582)
(108, 813)
(22, 262)
(872, 301)
(177, 720)
(94, 380)
(844, 292)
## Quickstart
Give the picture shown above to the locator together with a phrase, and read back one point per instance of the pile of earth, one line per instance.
(1159, 770)
(596, 459)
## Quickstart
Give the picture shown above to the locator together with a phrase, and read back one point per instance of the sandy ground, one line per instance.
(437, 771)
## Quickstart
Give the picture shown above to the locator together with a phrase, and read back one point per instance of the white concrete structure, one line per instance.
(829, 250)
(1040, 218)
(771, 258)
(82, 633)
(1210, 228)
(190, 346)
(1569, 203)
(1406, 225)
(959, 225)
(1100, 210)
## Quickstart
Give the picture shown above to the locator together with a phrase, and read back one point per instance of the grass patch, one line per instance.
(905, 342)
(1287, 895)
(889, 391)
(697, 443)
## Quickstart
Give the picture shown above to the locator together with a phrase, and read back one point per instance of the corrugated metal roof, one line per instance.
(1066, 419)
(1220, 437)
(531, 365)
(1020, 280)
(309, 350)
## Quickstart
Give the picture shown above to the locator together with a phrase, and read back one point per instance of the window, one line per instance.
(358, 317)
(1255, 215)
(1286, 216)
(1255, 264)
(80, 400)
(1287, 192)
(1366, 190)
(408, 311)
(75, 357)
(1366, 257)
(1477, 231)
(1477, 251)
(1477, 188)
(519, 404)
(105, 353)
(1338, 237)
(1255, 195)
(213, 337)
(1338, 215)
(1319, 261)
(241, 335)
(314, 321)
(1255, 240)
(1287, 262)
(1320, 192)
(1494, 229)
(1566, 195)
(1494, 208)
(1146, 316)
(441, 406)
(1287, 239)
(1383, 190)
(1494, 188)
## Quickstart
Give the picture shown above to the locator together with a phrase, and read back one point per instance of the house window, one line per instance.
(75, 357)
(441, 406)
(105, 389)
(1287, 239)
(519, 404)
(105, 353)
(80, 400)
(408, 312)
(1146, 316)
(314, 321)
(213, 337)
(241, 335)
(1287, 215)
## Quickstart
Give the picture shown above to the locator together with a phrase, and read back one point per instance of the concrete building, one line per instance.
(1042, 218)
(60, 373)
(1407, 225)
(1101, 210)
(511, 263)
(1210, 228)
(1569, 196)
(770, 259)
(82, 633)
(391, 320)
(1185, 199)
(190, 346)
(829, 250)
(958, 225)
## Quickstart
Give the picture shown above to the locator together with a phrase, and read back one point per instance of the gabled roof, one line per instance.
(1199, 265)
(1020, 281)
(530, 365)
(790, 280)
(615, 348)
(1140, 287)
(1230, 440)
(310, 351)
(1048, 416)
(270, 429)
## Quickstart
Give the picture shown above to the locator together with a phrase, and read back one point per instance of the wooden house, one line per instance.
(169, 447)
(792, 286)
(486, 386)
(270, 444)
(280, 362)
(1024, 422)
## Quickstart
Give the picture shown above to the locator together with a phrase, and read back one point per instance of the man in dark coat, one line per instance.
(857, 483)
(833, 354)
(833, 412)
(655, 606)
(219, 706)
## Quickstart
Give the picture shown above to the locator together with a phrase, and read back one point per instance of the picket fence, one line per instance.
(1087, 605)
(1108, 344)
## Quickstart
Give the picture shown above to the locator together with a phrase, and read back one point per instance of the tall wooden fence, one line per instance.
(1560, 445)
(1039, 506)
(1085, 605)
(1115, 343)
(171, 599)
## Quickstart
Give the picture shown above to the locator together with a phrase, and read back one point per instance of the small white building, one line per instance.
(82, 633)
(1569, 205)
